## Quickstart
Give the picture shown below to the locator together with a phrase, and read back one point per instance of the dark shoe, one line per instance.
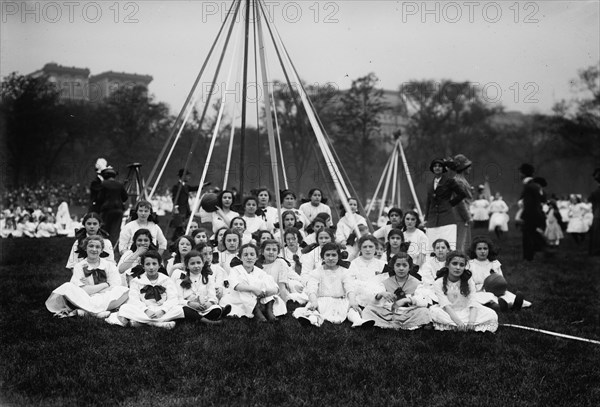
(304, 321)
(225, 310)
(494, 306)
(503, 304)
(518, 302)
(213, 314)
(367, 324)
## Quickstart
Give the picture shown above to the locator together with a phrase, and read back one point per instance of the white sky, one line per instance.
(537, 50)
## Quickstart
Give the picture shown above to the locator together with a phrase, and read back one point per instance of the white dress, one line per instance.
(206, 293)
(479, 209)
(499, 215)
(485, 320)
(74, 257)
(346, 225)
(243, 302)
(311, 212)
(255, 223)
(139, 302)
(577, 223)
(419, 244)
(73, 292)
(127, 232)
(368, 275)
(480, 271)
(331, 288)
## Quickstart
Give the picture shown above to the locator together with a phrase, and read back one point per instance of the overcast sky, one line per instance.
(523, 53)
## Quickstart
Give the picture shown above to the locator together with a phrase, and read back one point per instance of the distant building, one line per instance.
(72, 82)
(77, 84)
(104, 84)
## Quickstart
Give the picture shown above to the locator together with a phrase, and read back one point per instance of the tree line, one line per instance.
(44, 137)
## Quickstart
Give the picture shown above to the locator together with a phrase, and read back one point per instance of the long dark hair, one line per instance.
(138, 233)
(175, 247)
(464, 278)
(206, 271)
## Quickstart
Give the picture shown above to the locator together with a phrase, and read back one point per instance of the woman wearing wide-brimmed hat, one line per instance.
(461, 166)
(442, 195)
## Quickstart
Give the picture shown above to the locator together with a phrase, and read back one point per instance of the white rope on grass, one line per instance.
(552, 333)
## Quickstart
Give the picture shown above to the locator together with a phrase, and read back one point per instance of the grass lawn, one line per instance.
(83, 361)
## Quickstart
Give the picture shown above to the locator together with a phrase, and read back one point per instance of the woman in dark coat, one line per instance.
(442, 195)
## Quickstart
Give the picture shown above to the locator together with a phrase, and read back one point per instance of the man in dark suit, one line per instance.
(443, 194)
(96, 184)
(181, 206)
(110, 203)
(533, 217)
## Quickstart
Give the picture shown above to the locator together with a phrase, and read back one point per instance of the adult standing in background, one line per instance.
(532, 216)
(442, 195)
(461, 165)
(110, 203)
(96, 184)
(181, 204)
(595, 229)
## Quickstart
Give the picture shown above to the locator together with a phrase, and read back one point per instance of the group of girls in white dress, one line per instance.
(255, 268)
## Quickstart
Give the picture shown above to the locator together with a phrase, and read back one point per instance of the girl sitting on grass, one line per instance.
(399, 306)
(457, 308)
(91, 227)
(196, 290)
(489, 279)
(142, 242)
(182, 246)
(253, 291)
(330, 291)
(436, 261)
(313, 258)
(95, 287)
(200, 235)
(238, 224)
(142, 216)
(395, 244)
(152, 300)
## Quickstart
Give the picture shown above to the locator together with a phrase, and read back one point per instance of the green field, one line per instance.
(83, 361)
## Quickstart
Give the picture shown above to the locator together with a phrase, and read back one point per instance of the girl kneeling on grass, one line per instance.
(330, 291)
(457, 308)
(400, 305)
(253, 291)
(196, 290)
(95, 287)
(152, 300)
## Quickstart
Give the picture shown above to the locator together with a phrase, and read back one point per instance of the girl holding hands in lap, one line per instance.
(95, 287)
(457, 308)
(196, 289)
(330, 291)
(152, 300)
(399, 306)
(253, 290)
